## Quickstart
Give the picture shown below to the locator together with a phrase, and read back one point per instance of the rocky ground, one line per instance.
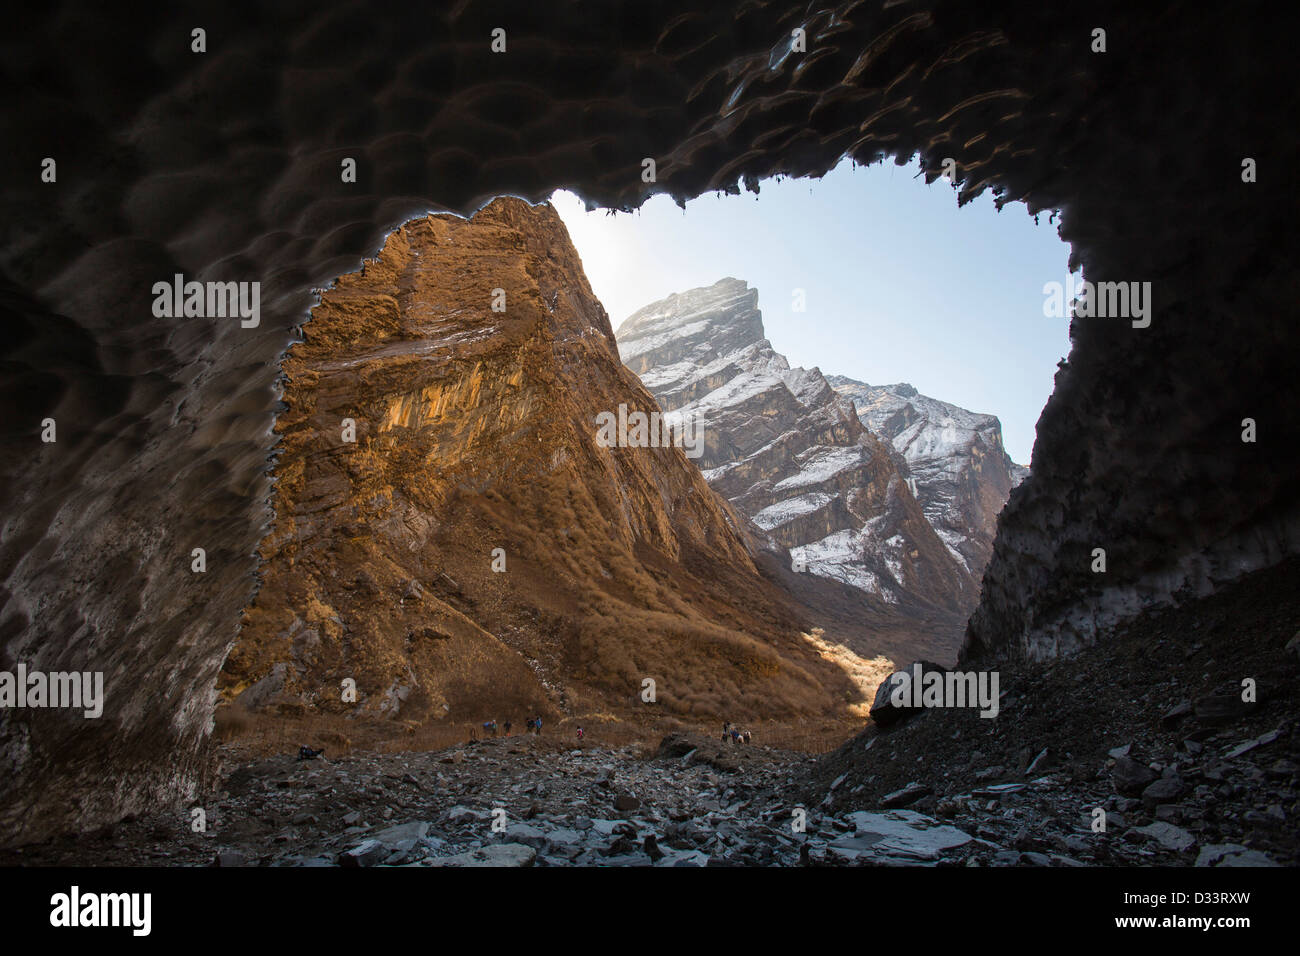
(1150, 735)
(1149, 727)
(520, 802)
(695, 802)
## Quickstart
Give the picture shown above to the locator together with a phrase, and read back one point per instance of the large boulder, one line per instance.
(499, 854)
(884, 710)
(1130, 777)
(368, 853)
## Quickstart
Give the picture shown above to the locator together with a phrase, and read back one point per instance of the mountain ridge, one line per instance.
(961, 473)
(790, 453)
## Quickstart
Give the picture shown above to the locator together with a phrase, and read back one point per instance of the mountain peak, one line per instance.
(704, 323)
(955, 457)
(788, 453)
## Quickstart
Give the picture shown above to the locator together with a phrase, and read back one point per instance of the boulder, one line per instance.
(1165, 790)
(1169, 836)
(368, 853)
(1261, 741)
(392, 836)
(899, 836)
(499, 854)
(526, 834)
(1130, 777)
(1214, 710)
(908, 795)
(1175, 715)
(884, 710)
(675, 745)
(1231, 854)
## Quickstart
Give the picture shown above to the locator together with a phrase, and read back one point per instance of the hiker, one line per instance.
(539, 725)
(747, 736)
(579, 733)
(529, 724)
(507, 728)
(726, 727)
(306, 753)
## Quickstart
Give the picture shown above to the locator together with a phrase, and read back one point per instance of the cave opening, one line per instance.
(866, 274)
(890, 497)
(174, 168)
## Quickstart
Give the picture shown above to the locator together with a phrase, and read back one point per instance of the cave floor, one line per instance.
(1147, 727)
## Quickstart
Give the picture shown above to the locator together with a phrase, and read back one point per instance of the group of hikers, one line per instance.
(733, 734)
(730, 733)
(534, 725)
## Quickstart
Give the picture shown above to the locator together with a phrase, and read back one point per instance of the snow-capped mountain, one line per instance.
(790, 453)
(959, 470)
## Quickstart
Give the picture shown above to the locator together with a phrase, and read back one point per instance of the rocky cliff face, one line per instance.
(788, 451)
(959, 470)
(474, 552)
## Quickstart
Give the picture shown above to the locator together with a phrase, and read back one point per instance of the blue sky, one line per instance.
(900, 285)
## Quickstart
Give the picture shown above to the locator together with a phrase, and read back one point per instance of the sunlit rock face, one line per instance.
(788, 451)
(961, 473)
(471, 549)
(226, 165)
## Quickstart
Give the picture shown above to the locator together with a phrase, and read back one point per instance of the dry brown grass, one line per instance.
(250, 736)
(867, 674)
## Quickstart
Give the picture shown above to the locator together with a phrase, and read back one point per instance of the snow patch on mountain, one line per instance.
(958, 468)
